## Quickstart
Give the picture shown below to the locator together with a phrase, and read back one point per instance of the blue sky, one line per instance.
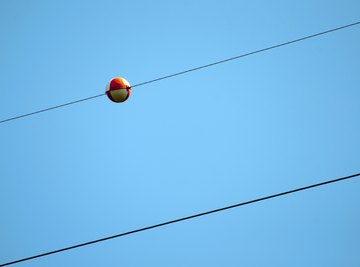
(264, 124)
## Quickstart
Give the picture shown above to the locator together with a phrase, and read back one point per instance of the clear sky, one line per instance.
(249, 128)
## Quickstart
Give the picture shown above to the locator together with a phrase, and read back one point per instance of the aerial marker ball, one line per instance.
(118, 90)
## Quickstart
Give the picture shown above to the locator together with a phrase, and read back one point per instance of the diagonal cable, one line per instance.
(51, 108)
(189, 70)
(181, 219)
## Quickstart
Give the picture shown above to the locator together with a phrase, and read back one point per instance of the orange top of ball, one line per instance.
(119, 83)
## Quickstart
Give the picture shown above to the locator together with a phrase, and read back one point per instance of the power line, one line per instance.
(248, 54)
(190, 70)
(181, 219)
(54, 107)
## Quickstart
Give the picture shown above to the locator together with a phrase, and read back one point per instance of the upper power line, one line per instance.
(189, 70)
(181, 219)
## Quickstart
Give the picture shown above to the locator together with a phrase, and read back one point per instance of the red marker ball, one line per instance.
(118, 90)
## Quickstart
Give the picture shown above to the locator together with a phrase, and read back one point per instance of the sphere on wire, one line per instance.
(118, 90)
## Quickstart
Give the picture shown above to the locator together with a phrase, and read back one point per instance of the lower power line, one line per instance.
(180, 219)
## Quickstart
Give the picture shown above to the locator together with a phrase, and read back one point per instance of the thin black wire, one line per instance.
(248, 54)
(47, 109)
(189, 70)
(181, 219)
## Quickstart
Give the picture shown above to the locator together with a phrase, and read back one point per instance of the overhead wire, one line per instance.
(181, 219)
(54, 107)
(187, 71)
